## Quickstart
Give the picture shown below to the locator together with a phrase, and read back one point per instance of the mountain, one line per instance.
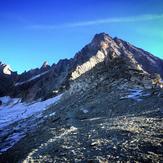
(7, 78)
(5, 69)
(44, 82)
(105, 104)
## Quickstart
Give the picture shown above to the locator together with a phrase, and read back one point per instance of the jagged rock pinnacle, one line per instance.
(45, 65)
(5, 69)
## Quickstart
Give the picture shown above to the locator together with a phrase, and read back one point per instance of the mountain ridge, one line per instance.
(102, 48)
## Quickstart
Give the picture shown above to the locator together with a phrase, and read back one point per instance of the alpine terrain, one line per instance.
(103, 105)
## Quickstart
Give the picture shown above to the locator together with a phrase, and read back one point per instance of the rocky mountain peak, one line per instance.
(5, 69)
(102, 37)
(45, 65)
(101, 40)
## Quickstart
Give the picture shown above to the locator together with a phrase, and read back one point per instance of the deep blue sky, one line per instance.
(32, 31)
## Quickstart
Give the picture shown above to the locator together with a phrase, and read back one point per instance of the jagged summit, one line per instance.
(45, 65)
(5, 69)
(102, 37)
(101, 40)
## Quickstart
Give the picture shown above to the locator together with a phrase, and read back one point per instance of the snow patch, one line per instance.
(50, 115)
(135, 94)
(15, 112)
(84, 111)
(27, 116)
(6, 100)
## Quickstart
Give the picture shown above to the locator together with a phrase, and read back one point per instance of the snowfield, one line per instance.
(13, 110)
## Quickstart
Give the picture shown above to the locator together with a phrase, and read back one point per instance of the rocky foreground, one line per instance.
(98, 126)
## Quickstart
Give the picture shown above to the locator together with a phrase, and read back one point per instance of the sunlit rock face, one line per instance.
(5, 69)
(104, 48)
(88, 65)
(110, 55)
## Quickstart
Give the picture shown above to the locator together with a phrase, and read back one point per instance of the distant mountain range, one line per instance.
(47, 81)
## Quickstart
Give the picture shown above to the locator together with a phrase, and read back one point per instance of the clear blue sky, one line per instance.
(34, 31)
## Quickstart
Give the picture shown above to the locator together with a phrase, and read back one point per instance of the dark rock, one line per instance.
(0, 102)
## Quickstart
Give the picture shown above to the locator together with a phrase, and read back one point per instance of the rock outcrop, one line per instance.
(7, 78)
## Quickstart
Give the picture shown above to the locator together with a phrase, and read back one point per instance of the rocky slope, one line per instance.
(110, 110)
(96, 126)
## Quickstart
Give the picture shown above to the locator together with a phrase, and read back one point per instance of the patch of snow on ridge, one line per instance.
(33, 78)
(28, 116)
(15, 112)
(6, 100)
(84, 111)
(135, 94)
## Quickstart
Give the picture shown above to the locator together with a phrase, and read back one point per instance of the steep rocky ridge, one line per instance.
(51, 80)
